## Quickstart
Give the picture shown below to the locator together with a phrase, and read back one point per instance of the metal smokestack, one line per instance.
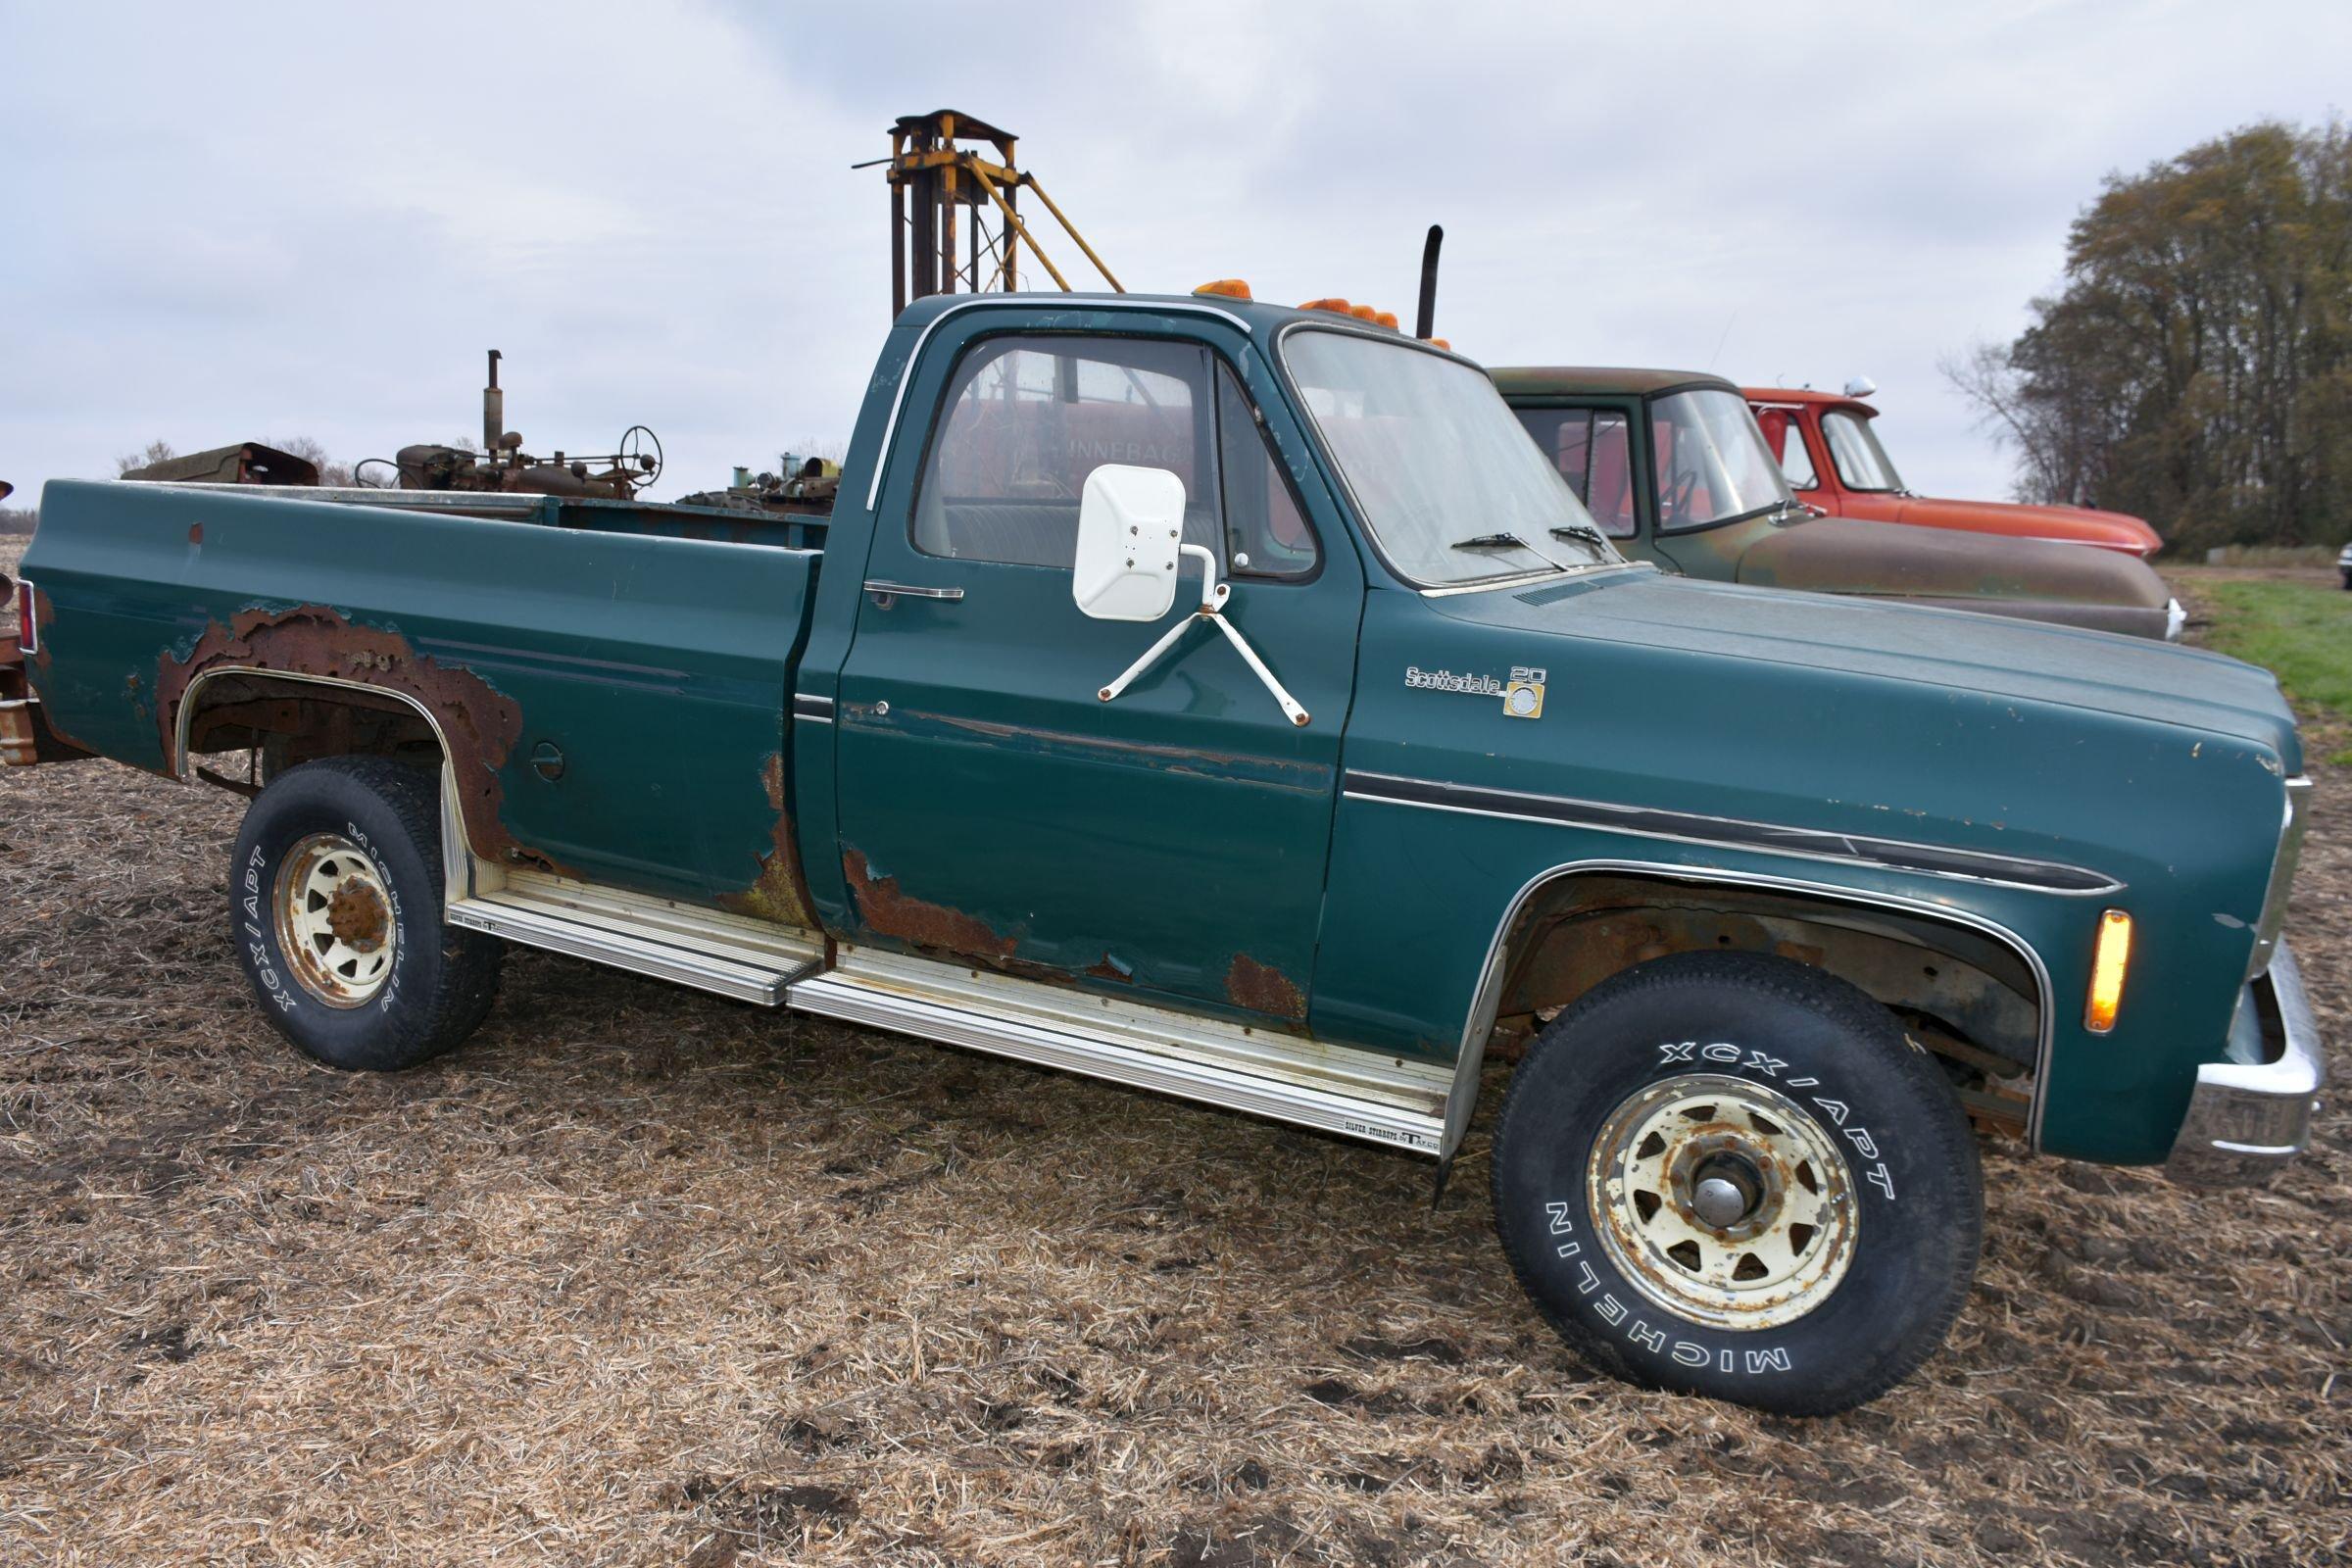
(494, 408)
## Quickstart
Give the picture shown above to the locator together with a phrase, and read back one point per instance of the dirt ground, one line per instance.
(642, 1276)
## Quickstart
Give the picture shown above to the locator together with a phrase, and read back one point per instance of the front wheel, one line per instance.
(335, 903)
(1736, 1176)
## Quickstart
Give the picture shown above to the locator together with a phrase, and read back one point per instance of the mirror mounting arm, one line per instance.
(1213, 595)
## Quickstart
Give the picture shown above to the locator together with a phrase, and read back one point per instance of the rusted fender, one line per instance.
(2030, 577)
(479, 723)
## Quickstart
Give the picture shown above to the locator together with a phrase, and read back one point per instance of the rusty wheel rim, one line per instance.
(1722, 1200)
(334, 920)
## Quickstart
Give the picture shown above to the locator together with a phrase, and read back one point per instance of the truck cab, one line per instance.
(1676, 470)
(1828, 445)
(1231, 701)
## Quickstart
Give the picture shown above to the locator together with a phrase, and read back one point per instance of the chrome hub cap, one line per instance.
(1722, 1200)
(334, 920)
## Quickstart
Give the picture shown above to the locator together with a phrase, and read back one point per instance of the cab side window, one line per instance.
(1786, 438)
(1591, 451)
(1266, 535)
(1028, 417)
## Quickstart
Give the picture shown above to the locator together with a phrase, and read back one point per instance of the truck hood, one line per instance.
(2080, 525)
(1985, 656)
(1851, 556)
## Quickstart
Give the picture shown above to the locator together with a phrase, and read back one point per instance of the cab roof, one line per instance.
(1261, 317)
(1789, 396)
(1558, 381)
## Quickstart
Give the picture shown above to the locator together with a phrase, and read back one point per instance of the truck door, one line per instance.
(991, 805)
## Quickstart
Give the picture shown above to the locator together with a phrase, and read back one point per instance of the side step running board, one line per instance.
(747, 959)
(1265, 1072)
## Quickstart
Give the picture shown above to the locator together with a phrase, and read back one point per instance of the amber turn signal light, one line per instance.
(2108, 963)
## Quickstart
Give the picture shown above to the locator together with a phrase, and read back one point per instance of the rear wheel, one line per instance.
(335, 899)
(1734, 1175)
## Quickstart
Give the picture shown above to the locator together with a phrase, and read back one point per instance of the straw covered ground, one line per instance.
(641, 1276)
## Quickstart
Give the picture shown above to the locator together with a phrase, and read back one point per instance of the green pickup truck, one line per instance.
(1232, 702)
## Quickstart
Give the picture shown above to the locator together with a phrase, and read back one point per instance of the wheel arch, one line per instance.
(312, 698)
(1545, 914)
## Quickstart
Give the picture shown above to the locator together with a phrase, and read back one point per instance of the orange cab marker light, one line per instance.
(1232, 288)
(1329, 303)
(1441, 343)
(2107, 966)
(1363, 313)
(1387, 319)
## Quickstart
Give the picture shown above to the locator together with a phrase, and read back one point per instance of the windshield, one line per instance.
(1713, 465)
(1854, 447)
(1449, 487)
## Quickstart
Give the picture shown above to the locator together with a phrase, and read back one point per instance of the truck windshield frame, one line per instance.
(1457, 472)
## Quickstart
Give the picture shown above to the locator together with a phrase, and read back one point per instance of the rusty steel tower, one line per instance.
(955, 211)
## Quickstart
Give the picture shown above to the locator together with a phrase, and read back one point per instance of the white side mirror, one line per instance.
(1130, 538)
(1861, 386)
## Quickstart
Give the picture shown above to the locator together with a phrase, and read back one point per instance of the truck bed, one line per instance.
(632, 650)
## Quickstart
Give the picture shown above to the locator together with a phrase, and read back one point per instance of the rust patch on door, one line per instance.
(1253, 985)
(779, 893)
(479, 724)
(888, 910)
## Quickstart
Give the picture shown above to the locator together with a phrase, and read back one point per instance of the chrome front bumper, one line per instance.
(2252, 1113)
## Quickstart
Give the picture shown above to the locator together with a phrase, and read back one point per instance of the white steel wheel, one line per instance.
(334, 920)
(1722, 1200)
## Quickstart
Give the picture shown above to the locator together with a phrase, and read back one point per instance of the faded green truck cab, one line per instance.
(1675, 468)
(1769, 894)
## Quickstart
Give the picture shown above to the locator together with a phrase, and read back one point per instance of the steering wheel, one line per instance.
(636, 458)
(1677, 498)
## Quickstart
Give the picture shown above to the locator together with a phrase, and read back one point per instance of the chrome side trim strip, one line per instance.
(816, 709)
(897, 398)
(1766, 838)
(1488, 994)
(1263, 1072)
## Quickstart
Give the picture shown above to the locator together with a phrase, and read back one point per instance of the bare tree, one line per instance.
(331, 472)
(155, 452)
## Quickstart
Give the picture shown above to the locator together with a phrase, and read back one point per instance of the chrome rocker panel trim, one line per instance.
(1333, 1089)
(2247, 1119)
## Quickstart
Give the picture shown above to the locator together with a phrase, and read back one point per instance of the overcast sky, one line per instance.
(231, 223)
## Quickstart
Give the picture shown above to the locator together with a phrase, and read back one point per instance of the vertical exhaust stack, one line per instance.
(494, 410)
(1425, 318)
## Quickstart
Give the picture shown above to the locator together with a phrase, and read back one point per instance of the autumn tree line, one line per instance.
(2196, 365)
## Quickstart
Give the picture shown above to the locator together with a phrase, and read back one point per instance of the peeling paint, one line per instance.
(779, 893)
(1252, 985)
(887, 909)
(479, 724)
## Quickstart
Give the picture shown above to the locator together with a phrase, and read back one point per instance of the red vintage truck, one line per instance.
(1833, 461)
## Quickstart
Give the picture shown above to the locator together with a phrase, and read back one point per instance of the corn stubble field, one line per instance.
(641, 1276)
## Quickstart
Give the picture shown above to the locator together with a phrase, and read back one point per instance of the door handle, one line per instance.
(885, 592)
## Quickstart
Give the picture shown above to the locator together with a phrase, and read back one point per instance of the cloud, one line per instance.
(313, 219)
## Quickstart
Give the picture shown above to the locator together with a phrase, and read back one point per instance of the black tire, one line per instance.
(1681, 1027)
(439, 981)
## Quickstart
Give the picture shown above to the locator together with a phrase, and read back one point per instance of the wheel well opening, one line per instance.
(284, 723)
(1964, 994)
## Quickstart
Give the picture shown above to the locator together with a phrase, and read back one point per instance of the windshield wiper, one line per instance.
(1580, 530)
(1495, 541)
